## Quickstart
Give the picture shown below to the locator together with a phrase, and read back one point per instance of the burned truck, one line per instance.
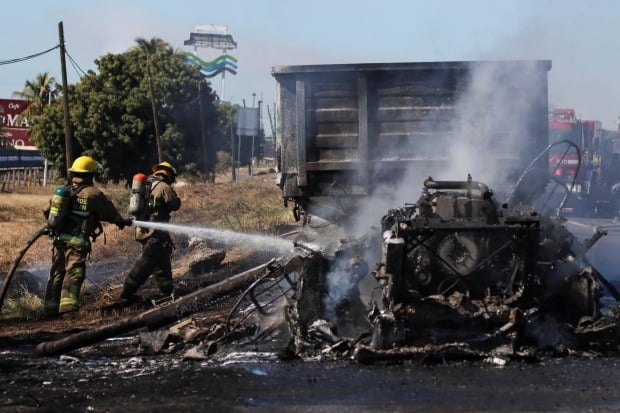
(453, 267)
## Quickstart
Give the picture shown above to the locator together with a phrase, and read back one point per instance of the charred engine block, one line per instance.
(456, 238)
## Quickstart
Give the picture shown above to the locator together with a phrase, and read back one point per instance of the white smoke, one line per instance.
(493, 133)
(493, 124)
(340, 285)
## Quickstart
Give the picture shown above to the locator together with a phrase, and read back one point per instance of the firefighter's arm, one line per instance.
(106, 211)
(171, 199)
(125, 222)
(46, 211)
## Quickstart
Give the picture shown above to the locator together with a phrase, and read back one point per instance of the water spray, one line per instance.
(228, 237)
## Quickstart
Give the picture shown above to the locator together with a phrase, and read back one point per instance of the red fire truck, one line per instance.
(586, 134)
(600, 162)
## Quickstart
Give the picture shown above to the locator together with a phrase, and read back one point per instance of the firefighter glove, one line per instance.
(125, 222)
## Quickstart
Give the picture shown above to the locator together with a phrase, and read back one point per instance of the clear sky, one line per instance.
(582, 38)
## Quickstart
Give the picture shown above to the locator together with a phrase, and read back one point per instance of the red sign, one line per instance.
(14, 128)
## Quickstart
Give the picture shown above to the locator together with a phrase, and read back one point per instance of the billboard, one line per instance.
(14, 128)
(212, 28)
(247, 121)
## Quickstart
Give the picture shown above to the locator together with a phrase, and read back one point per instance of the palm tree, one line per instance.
(150, 48)
(153, 46)
(41, 91)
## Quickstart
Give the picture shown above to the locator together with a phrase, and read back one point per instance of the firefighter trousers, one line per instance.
(66, 277)
(155, 260)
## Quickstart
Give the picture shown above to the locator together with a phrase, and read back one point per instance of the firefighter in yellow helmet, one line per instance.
(87, 206)
(156, 244)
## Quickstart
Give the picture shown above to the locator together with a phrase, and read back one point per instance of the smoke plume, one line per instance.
(493, 132)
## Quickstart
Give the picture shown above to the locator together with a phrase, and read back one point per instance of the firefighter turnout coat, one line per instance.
(157, 245)
(72, 244)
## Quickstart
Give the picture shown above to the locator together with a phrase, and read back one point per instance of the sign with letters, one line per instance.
(14, 127)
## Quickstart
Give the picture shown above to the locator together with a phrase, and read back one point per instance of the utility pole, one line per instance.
(203, 134)
(232, 145)
(223, 80)
(155, 122)
(65, 98)
(252, 149)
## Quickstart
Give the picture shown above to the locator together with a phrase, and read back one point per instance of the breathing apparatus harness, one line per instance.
(142, 205)
(69, 220)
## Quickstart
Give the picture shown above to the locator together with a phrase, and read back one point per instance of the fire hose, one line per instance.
(22, 252)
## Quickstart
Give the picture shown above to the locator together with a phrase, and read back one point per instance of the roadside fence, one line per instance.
(11, 178)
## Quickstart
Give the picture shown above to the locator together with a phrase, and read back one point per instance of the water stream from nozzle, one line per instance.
(228, 237)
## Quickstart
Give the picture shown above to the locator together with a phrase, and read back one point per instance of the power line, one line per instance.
(80, 72)
(32, 56)
(76, 67)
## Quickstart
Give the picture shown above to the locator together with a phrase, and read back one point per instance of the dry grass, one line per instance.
(251, 205)
(15, 206)
(26, 306)
(20, 216)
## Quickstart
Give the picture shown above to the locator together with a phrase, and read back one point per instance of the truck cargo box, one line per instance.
(351, 130)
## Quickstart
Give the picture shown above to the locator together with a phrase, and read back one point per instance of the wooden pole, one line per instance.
(65, 98)
(232, 146)
(154, 109)
(203, 135)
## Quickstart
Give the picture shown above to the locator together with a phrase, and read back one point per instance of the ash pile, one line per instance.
(458, 276)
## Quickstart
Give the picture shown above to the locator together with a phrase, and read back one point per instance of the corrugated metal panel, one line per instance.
(357, 117)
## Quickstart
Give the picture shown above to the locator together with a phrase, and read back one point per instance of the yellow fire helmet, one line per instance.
(165, 168)
(83, 164)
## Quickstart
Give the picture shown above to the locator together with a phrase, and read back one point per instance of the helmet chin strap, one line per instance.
(85, 177)
(164, 175)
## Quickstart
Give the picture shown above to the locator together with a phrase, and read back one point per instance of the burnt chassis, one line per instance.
(458, 268)
(452, 277)
(429, 254)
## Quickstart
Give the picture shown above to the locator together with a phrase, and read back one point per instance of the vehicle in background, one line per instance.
(564, 125)
(599, 170)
